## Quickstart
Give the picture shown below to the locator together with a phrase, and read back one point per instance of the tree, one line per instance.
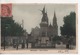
(69, 28)
(6, 25)
(10, 28)
(55, 40)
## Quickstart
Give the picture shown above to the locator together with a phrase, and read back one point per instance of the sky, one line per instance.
(31, 14)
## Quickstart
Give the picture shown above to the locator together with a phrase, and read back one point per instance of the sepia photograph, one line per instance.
(38, 26)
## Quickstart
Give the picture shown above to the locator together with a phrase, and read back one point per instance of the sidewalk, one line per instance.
(19, 47)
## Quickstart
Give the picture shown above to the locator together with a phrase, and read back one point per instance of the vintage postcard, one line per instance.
(39, 28)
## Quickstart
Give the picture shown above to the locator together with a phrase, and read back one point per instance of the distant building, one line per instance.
(43, 36)
(35, 33)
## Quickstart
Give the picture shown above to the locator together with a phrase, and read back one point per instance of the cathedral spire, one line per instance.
(55, 26)
(54, 20)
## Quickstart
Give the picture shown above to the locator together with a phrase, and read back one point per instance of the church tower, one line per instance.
(55, 26)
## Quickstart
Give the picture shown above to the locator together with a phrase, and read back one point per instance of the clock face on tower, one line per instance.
(5, 10)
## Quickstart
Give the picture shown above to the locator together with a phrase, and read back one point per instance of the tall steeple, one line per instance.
(54, 20)
(55, 26)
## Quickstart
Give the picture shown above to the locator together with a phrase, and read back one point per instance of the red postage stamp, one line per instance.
(6, 10)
